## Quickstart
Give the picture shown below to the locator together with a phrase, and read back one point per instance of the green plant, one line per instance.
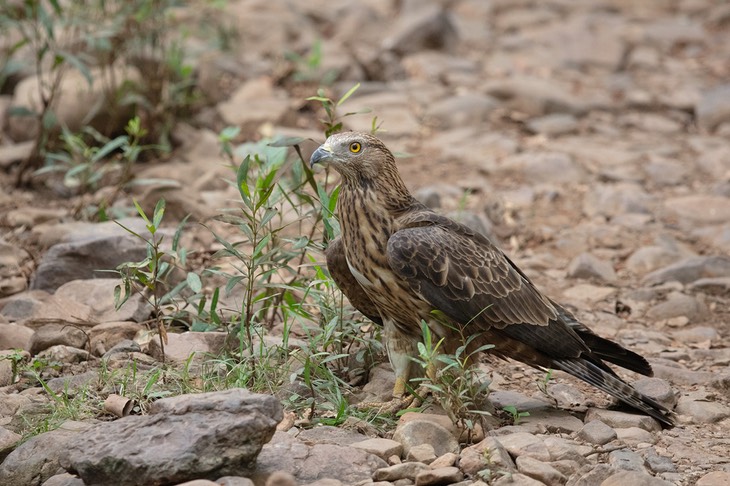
(516, 415)
(151, 277)
(16, 358)
(452, 377)
(307, 68)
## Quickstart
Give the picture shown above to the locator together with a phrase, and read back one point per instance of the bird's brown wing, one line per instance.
(345, 280)
(462, 274)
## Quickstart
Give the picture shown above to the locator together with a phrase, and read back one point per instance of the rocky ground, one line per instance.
(591, 139)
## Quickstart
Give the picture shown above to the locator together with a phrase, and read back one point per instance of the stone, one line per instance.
(700, 208)
(658, 464)
(439, 476)
(311, 462)
(616, 419)
(657, 389)
(416, 432)
(406, 470)
(596, 432)
(702, 411)
(678, 305)
(78, 103)
(649, 258)
(57, 334)
(697, 334)
(542, 167)
(590, 475)
(689, 270)
(181, 346)
(15, 336)
(634, 436)
(517, 480)
(445, 460)
(524, 444)
(626, 459)
(64, 479)
(423, 453)
(103, 337)
(431, 27)
(69, 385)
(383, 448)
(37, 459)
(588, 293)
(553, 125)
(224, 431)
(234, 481)
(8, 441)
(539, 470)
(15, 153)
(566, 396)
(589, 267)
(561, 449)
(86, 259)
(61, 353)
(198, 482)
(264, 103)
(713, 108)
(473, 459)
(535, 96)
(98, 294)
(460, 110)
(611, 200)
(327, 434)
(715, 478)
(634, 478)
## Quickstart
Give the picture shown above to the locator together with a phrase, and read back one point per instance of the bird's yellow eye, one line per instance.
(355, 147)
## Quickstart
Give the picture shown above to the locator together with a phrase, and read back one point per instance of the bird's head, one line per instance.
(356, 156)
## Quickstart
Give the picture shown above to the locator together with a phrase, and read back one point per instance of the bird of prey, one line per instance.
(398, 262)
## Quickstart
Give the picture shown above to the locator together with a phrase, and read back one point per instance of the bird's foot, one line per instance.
(393, 406)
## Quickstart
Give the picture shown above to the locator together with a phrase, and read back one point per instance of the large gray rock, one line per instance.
(86, 259)
(98, 294)
(690, 269)
(204, 435)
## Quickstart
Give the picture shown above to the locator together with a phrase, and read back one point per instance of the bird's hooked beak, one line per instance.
(322, 153)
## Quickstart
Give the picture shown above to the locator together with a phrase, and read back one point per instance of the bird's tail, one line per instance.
(614, 386)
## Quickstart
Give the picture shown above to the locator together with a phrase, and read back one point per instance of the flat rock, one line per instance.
(86, 259)
(634, 436)
(423, 453)
(105, 336)
(405, 470)
(430, 27)
(539, 470)
(180, 347)
(98, 294)
(312, 462)
(223, 431)
(327, 434)
(15, 336)
(524, 444)
(265, 102)
(58, 334)
(591, 475)
(617, 419)
(634, 478)
(688, 270)
(703, 209)
(64, 479)
(39, 458)
(627, 460)
(596, 432)
(439, 476)
(517, 479)
(553, 125)
(588, 266)
(588, 293)
(383, 448)
(460, 110)
(678, 305)
(702, 411)
(8, 441)
(715, 478)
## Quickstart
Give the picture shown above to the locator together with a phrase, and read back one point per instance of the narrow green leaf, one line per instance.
(159, 213)
(348, 94)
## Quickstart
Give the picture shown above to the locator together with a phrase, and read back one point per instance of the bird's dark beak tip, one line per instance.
(319, 155)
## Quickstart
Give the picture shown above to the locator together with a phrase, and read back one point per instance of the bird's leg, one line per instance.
(400, 350)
